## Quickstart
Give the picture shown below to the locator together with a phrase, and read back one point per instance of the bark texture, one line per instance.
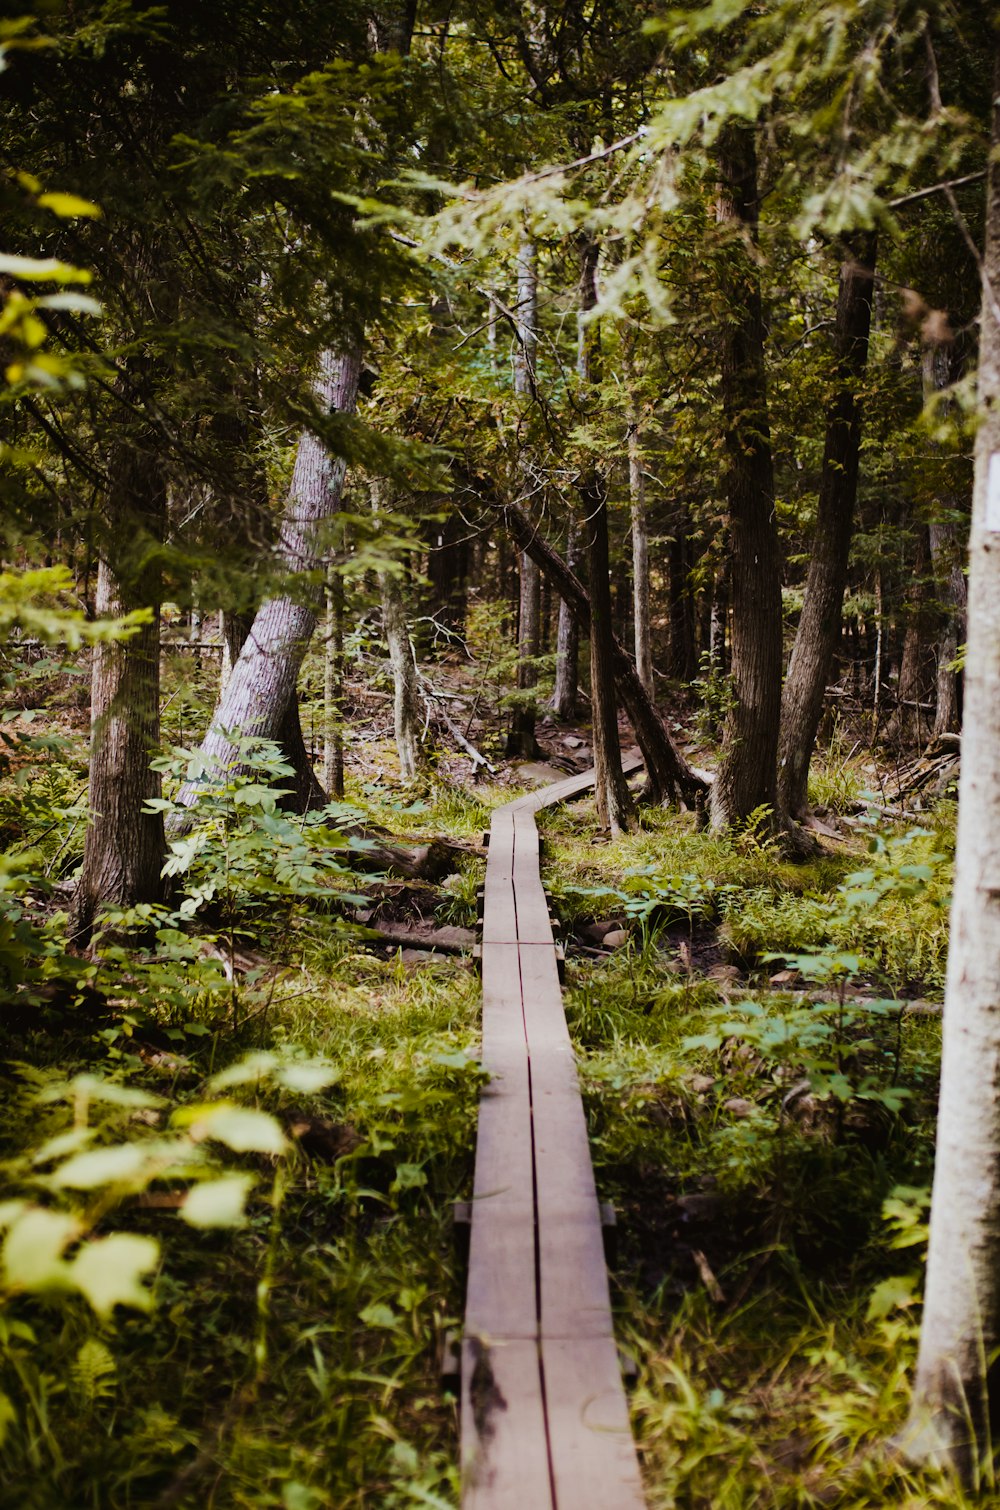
(521, 739)
(640, 558)
(946, 555)
(407, 699)
(819, 627)
(746, 778)
(125, 848)
(261, 688)
(956, 1401)
(611, 793)
(565, 693)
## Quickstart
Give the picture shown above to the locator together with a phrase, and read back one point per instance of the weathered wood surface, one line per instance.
(544, 1419)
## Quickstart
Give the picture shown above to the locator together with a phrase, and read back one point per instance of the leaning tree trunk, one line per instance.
(746, 778)
(611, 793)
(124, 849)
(955, 1414)
(565, 693)
(521, 739)
(669, 778)
(306, 792)
(819, 627)
(261, 689)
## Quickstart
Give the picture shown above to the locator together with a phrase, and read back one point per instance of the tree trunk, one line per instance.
(746, 778)
(940, 369)
(819, 627)
(683, 649)
(946, 556)
(125, 848)
(261, 688)
(565, 692)
(521, 739)
(306, 793)
(333, 687)
(611, 793)
(640, 557)
(955, 1412)
(909, 725)
(407, 701)
(669, 778)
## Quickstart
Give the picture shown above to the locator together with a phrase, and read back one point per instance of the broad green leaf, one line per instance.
(240, 1128)
(93, 1088)
(122, 1163)
(218, 1203)
(32, 1256)
(42, 270)
(63, 1144)
(69, 206)
(307, 1077)
(8, 1415)
(244, 1072)
(890, 1295)
(378, 1315)
(409, 1177)
(81, 304)
(109, 1270)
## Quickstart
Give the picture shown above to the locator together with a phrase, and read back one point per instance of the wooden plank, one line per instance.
(544, 1018)
(501, 1298)
(505, 1460)
(499, 916)
(574, 1296)
(502, 1009)
(594, 1463)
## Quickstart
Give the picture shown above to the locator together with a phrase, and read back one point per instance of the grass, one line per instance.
(291, 1362)
(758, 1286)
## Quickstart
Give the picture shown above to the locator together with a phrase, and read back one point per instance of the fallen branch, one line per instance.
(440, 714)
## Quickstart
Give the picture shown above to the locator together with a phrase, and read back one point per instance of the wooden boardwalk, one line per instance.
(545, 1421)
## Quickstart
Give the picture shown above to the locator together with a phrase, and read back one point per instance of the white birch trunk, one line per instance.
(262, 683)
(953, 1418)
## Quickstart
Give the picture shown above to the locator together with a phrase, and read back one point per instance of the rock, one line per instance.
(615, 938)
(572, 743)
(784, 978)
(539, 773)
(598, 932)
(736, 1106)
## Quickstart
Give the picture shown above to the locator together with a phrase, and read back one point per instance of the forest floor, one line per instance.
(758, 1046)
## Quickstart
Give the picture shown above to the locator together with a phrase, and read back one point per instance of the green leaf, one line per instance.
(33, 1251)
(42, 270)
(378, 1315)
(240, 1128)
(890, 1295)
(309, 1077)
(121, 1164)
(108, 1271)
(69, 206)
(409, 1177)
(218, 1203)
(8, 1415)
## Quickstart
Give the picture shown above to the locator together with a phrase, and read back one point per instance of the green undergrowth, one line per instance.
(230, 1137)
(288, 1359)
(769, 1151)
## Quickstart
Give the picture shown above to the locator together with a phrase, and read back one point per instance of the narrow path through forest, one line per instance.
(544, 1416)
